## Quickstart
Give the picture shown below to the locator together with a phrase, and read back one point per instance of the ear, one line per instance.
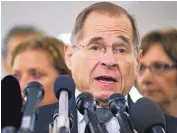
(138, 59)
(68, 54)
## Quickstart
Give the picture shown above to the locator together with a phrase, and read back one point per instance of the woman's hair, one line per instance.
(167, 38)
(51, 45)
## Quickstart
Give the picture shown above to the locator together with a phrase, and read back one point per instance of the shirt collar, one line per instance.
(80, 116)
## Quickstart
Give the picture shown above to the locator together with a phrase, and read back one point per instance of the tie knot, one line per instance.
(104, 115)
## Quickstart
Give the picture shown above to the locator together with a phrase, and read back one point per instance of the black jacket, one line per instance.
(171, 124)
(46, 113)
(46, 116)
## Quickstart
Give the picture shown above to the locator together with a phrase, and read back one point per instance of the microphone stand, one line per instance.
(124, 123)
(92, 121)
(86, 105)
(53, 125)
(119, 108)
(34, 93)
(28, 123)
(61, 120)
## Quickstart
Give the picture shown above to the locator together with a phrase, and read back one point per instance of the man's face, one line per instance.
(110, 72)
(162, 86)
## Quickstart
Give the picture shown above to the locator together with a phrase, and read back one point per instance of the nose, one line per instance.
(108, 59)
(23, 82)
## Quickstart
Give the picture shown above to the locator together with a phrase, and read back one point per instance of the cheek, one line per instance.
(169, 83)
(128, 68)
(82, 68)
(139, 83)
(48, 84)
(128, 74)
(78, 70)
(77, 66)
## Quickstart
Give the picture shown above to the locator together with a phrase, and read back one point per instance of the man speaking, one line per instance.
(104, 57)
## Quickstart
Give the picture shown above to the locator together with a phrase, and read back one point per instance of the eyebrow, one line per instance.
(94, 39)
(125, 39)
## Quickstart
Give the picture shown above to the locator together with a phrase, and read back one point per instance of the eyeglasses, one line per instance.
(97, 50)
(157, 68)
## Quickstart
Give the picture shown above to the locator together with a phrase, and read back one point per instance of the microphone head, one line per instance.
(64, 82)
(85, 101)
(34, 88)
(146, 114)
(11, 102)
(117, 103)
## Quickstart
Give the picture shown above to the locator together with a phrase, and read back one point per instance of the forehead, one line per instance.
(37, 57)
(155, 53)
(102, 24)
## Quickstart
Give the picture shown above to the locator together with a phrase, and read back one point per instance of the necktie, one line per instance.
(104, 115)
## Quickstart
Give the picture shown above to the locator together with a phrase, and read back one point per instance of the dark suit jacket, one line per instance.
(45, 116)
(46, 113)
(171, 124)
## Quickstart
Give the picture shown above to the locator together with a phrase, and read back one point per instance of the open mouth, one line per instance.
(106, 79)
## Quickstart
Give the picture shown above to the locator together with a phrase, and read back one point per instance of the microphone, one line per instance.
(119, 107)
(11, 104)
(86, 105)
(147, 116)
(64, 89)
(71, 118)
(35, 93)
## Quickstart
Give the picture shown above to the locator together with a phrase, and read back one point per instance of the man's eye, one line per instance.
(95, 47)
(121, 50)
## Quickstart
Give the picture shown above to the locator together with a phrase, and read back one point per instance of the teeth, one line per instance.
(106, 81)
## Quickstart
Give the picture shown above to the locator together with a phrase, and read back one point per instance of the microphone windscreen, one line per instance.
(85, 101)
(146, 114)
(34, 88)
(11, 102)
(117, 103)
(64, 82)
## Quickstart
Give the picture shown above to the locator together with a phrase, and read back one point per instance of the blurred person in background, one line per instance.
(39, 58)
(157, 78)
(14, 36)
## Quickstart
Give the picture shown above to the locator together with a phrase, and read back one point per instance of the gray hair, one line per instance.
(107, 7)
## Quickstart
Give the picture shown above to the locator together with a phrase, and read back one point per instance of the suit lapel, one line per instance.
(130, 102)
